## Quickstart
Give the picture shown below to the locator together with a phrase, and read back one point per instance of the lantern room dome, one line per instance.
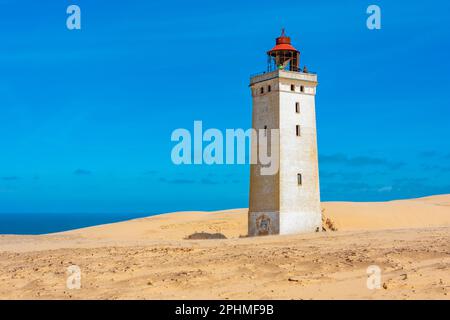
(283, 56)
(283, 43)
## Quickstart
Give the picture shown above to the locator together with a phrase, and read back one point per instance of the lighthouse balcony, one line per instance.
(294, 75)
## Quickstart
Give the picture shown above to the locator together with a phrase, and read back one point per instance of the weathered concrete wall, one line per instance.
(264, 197)
(277, 203)
(299, 204)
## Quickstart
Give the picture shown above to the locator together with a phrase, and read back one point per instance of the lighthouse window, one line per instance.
(265, 131)
(297, 107)
(302, 88)
(297, 130)
(292, 87)
(299, 179)
(269, 88)
(262, 90)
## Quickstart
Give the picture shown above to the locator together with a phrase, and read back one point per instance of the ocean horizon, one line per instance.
(43, 223)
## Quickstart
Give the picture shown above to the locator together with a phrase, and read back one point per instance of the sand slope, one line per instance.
(417, 213)
(148, 258)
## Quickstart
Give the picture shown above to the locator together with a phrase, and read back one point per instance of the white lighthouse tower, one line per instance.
(284, 98)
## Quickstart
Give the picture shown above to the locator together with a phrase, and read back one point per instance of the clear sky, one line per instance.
(86, 116)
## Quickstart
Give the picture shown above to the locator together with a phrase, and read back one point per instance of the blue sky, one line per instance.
(86, 116)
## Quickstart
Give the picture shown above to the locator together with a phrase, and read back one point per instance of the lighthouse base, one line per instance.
(273, 223)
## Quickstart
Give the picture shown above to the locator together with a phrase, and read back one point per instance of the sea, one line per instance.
(42, 223)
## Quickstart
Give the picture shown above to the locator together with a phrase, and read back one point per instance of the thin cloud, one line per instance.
(385, 189)
(342, 175)
(204, 181)
(10, 178)
(150, 172)
(436, 167)
(359, 161)
(346, 188)
(428, 154)
(407, 181)
(418, 187)
(81, 172)
(208, 181)
(177, 181)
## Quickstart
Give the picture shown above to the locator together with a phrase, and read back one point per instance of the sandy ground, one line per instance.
(150, 259)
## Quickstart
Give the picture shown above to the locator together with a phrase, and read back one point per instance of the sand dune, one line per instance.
(416, 213)
(149, 259)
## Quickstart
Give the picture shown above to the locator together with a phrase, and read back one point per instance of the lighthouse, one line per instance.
(288, 201)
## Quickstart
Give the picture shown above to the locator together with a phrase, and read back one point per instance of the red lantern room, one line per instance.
(283, 56)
